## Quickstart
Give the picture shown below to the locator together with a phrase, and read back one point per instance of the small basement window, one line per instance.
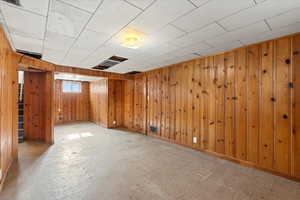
(71, 86)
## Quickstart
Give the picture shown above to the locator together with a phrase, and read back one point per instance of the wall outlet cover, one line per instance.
(194, 139)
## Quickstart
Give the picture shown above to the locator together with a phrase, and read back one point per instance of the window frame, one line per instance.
(74, 86)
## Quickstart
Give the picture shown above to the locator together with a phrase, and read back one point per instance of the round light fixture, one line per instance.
(132, 39)
(131, 42)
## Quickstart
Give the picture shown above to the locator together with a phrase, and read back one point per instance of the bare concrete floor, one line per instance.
(88, 162)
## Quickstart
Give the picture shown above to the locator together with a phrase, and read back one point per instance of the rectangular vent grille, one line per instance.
(15, 2)
(133, 72)
(31, 54)
(110, 62)
(153, 129)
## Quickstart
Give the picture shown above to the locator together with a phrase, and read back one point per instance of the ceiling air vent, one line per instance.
(112, 61)
(31, 54)
(133, 72)
(15, 2)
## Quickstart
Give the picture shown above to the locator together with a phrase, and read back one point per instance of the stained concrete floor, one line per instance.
(88, 162)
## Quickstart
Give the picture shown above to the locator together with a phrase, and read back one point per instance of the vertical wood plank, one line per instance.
(241, 104)
(253, 64)
(220, 101)
(196, 122)
(266, 147)
(230, 97)
(178, 104)
(283, 109)
(296, 106)
(190, 107)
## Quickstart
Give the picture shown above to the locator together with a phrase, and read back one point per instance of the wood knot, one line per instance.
(273, 99)
(287, 61)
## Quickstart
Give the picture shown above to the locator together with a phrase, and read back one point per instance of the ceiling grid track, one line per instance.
(46, 25)
(133, 5)
(268, 25)
(92, 15)
(120, 30)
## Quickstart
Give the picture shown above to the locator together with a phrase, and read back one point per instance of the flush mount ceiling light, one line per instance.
(132, 39)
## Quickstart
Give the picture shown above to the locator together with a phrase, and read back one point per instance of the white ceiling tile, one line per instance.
(207, 32)
(183, 58)
(210, 12)
(40, 7)
(27, 44)
(221, 47)
(284, 19)
(161, 49)
(166, 34)
(199, 2)
(97, 56)
(90, 40)
(160, 14)
(53, 55)
(241, 34)
(141, 3)
(111, 16)
(259, 12)
(66, 20)
(259, 1)
(59, 42)
(75, 57)
(279, 32)
(88, 5)
(15, 18)
(189, 49)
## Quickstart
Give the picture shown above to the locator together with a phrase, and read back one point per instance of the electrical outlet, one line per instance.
(194, 140)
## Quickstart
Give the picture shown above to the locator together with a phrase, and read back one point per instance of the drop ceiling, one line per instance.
(83, 33)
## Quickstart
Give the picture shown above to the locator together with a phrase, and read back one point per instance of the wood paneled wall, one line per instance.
(99, 102)
(115, 103)
(71, 107)
(135, 111)
(39, 106)
(107, 102)
(8, 106)
(242, 105)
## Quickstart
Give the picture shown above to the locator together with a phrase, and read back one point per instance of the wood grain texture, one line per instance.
(128, 104)
(70, 107)
(282, 155)
(266, 142)
(296, 107)
(115, 103)
(8, 106)
(241, 77)
(238, 104)
(39, 106)
(253, 65)
(99, 102)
